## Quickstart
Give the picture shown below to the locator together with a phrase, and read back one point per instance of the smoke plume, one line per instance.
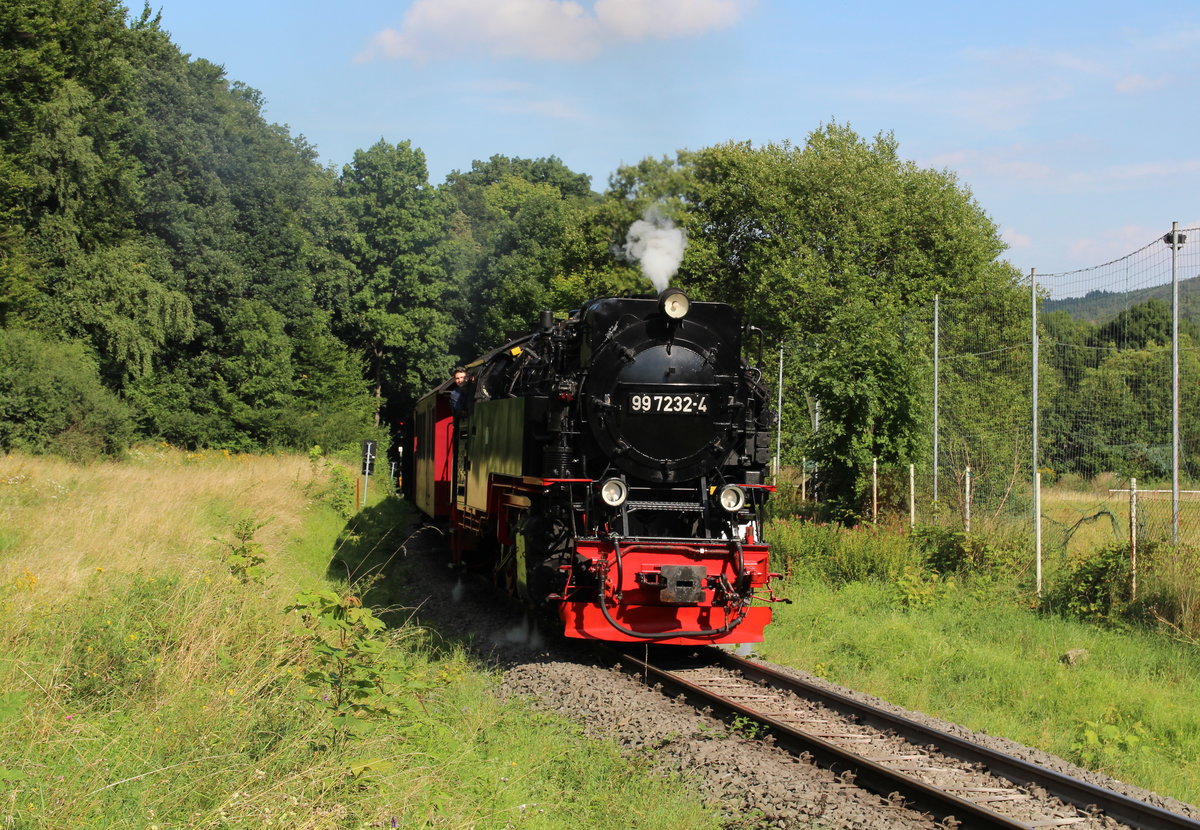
(657, 244)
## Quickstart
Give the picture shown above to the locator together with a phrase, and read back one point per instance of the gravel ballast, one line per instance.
(753, 784)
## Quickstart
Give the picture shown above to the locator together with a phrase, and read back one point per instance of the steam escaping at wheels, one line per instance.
(608, 469)
(523, 634)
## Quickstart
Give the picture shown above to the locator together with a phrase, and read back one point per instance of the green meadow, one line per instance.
(173, 654)
(952, 627)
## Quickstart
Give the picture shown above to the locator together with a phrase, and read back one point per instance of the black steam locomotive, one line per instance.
(609, 469)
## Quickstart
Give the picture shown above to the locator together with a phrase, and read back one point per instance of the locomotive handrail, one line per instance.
(761, 339)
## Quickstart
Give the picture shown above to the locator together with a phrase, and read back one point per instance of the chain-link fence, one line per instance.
(1107, 371)
(1121, 397)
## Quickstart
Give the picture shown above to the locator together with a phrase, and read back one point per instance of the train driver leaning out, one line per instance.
(457, 393)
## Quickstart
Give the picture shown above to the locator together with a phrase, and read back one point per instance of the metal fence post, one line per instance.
(1037, 527)
(912, 496)
(1133, 536)
(874, 489)
(1176, 240)
(1037, 476)
(937, 310)
(779, 417)
(967, 501)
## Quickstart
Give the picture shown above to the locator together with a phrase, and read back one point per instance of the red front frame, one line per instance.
(638, 607)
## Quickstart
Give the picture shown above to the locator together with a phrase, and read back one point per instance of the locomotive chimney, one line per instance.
(547, 320)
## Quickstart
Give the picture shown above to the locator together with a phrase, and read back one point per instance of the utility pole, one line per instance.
(1175, 239)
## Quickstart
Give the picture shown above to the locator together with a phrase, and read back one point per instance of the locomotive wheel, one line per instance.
(505, 574)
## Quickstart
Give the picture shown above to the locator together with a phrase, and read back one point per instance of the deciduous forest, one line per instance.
(175, 267)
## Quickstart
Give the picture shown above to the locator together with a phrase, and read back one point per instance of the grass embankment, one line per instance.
(870, 613)
(151, 675)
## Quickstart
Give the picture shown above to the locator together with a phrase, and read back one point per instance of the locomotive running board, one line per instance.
(585, 620)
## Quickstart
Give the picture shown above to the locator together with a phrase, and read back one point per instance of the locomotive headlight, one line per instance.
(731, 498)
(674, 303)
(613, 492)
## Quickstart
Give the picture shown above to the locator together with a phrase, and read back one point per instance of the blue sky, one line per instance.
(1076, 125)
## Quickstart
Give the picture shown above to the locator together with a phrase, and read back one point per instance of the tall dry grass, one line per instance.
(158, 511)
(146, 681)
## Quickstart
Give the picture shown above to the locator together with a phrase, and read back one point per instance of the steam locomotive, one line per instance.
(608, 470)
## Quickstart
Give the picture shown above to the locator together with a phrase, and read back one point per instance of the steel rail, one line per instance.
(883, 780)
(1072, 790)
(867, 774)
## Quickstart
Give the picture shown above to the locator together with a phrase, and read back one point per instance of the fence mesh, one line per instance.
(1105, 405)
(985, 400)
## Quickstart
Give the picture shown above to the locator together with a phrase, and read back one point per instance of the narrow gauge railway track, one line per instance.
(933, 771)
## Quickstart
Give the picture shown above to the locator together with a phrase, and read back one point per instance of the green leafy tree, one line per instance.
(396, 296)
(834, 247)
(1132, 390)
(529, 239)
(1141, 326)
(149, 211)
(986, 396)
(51, 400)
(526, 251)
(116, 299)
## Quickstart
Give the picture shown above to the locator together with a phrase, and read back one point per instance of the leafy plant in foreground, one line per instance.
(355, 674)
(1095, 588)
(917, 588)
(243, 556)
(1100, 742)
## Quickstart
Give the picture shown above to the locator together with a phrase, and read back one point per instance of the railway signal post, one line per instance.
(368, 466)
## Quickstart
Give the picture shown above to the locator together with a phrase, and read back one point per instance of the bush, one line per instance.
(954, 552)
(1171, 588)
(1096, 587)
(839, 554)
(52, 401)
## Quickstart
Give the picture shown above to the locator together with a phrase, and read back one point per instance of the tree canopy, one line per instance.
(836, 250)
(226, 290)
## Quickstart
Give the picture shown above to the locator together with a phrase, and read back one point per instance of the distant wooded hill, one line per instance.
(1099, 307)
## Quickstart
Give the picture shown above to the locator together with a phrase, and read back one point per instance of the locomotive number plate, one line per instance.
(690, 404)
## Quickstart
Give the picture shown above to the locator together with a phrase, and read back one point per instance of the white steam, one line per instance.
(657, 244)
(525, 634)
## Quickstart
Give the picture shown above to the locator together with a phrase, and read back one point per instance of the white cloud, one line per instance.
(989, 105)
(1172, 40)
(1035, 60)
(662, 19)
(543, 29)
(1011, 87)
(1015, 239)
(1009, 163)
(1114, 243)
(1134, 84)
(493, 85)
(1151, 170)
(1019, 163)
